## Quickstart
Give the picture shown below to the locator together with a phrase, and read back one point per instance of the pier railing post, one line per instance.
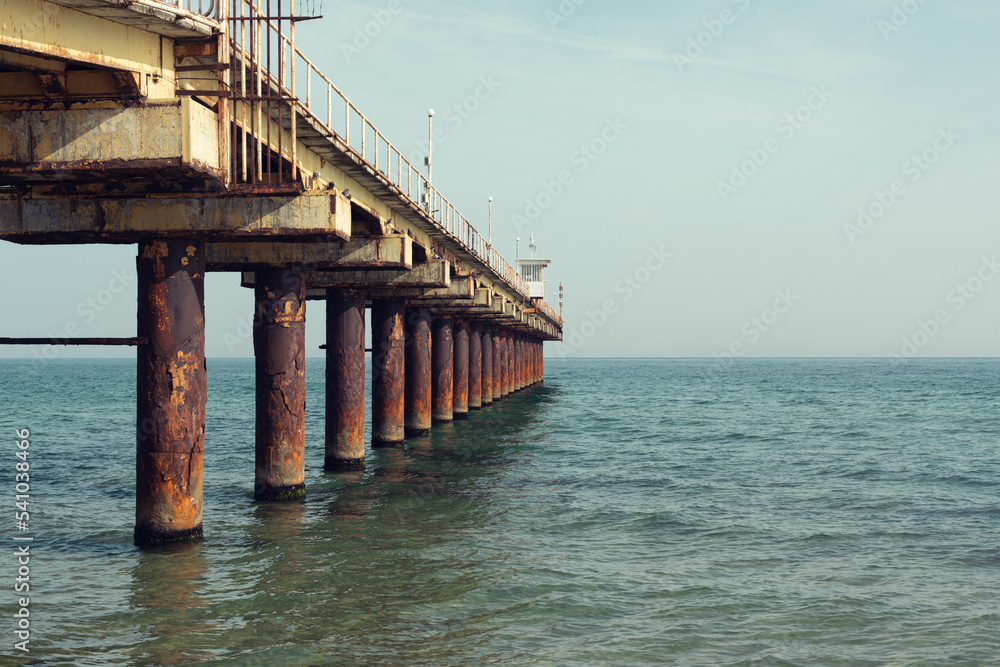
(171, 388)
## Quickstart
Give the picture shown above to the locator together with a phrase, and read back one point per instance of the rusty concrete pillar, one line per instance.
(279, 345)
(442, 368)
(475, 367)
(518, 364)
(418, 372)
(171, 387)
(504, 365)
(511, 357)
(388, 379)
(345, 381)
(497, 365)
(536, 357)
(526, 362)
(460, 383)
(487, 345)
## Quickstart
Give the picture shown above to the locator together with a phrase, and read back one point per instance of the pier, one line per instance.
(201, 134)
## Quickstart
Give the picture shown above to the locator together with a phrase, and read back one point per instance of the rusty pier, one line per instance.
(208, 140)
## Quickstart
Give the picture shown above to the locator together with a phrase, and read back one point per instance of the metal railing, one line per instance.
(335, 115)
(207, 8)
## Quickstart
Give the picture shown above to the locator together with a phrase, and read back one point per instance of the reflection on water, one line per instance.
(625, 513)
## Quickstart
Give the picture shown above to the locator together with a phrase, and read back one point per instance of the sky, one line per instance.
(711, 178)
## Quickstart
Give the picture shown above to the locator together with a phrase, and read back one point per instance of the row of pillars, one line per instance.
(426, 369)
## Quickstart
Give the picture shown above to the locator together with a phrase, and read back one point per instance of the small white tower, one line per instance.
(533, 271)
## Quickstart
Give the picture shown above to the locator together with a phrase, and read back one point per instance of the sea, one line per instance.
(625, 512)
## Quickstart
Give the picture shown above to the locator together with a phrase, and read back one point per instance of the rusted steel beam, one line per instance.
(388, 380)
(130, 342)
(475, 366)
(487, 344)
(345, 381)
(460, 383)
(418, 372)
(171, 388)
(443, 369)
(279, 341)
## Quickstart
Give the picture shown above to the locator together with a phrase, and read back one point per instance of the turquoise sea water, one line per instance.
(628, 512)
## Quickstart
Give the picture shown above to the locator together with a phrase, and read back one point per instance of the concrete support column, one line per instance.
(497, 364)
(510, 364)
(504, 365)
(171, 388)
(460, 384)
(475, 367)
(538, 361)
(487, 345)
(443, 369)
(279, 345)
(418, 372)
(519, 363)
(388, 380)
(541, 361)
(345, 381)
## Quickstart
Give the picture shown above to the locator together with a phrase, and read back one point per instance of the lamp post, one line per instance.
(430, 152)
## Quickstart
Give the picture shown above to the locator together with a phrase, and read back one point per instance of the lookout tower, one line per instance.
(533, 271)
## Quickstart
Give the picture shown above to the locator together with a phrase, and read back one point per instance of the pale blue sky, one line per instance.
(679, 122)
